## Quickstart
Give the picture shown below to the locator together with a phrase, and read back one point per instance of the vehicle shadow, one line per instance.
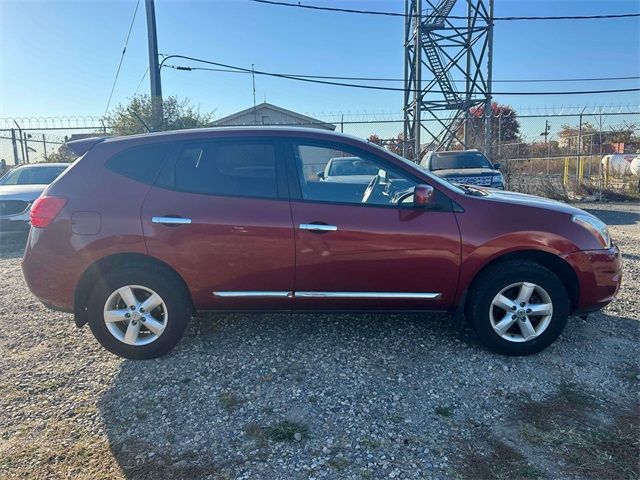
(209, 409)
(614, 216)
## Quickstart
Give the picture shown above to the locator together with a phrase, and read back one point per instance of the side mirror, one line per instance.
(423, 195)
(497, 166)
(320, 174)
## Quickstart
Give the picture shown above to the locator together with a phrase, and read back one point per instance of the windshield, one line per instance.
(459, 160)
(351, 166)
(32, 175)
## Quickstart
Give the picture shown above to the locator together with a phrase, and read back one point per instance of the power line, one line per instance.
(383, 79)
(397, 14)
(126, 42)
(368, 87)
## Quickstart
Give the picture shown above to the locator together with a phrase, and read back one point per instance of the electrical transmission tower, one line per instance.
(447, 71)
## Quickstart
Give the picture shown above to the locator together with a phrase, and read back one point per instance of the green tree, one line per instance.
(135, 116)
(63, 155)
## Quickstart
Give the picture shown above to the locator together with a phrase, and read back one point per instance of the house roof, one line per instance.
(298, 118)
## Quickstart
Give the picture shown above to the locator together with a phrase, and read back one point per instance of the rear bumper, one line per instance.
(50, 272)
(14, 224)
(599, 275)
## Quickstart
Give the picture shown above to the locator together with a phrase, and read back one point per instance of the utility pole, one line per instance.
(154, 67)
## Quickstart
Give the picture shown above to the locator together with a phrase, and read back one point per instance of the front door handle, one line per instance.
(171, 221)
(318, 227)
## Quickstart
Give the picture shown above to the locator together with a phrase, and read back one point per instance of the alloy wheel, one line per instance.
(521, 312)
(135, 315)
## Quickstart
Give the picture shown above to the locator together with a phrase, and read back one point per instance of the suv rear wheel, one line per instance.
(518, 307)
(138, 312)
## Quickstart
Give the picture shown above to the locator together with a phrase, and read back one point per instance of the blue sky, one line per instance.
(59, 58)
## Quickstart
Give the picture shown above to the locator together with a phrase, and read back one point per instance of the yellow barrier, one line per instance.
(565, 177)
(580, 170)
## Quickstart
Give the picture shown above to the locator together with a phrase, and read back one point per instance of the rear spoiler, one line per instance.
(82, 146)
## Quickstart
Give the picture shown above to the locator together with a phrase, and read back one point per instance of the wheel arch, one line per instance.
(97, 270)
(560, 267)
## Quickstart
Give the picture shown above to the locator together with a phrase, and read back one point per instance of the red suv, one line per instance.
(143, 231)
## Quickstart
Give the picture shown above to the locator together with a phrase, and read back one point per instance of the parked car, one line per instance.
(19, 188)
(468, 167)
(348, 170)
(143, 231)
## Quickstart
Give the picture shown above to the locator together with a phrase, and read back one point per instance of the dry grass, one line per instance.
(591, 440)
(229, 400)
(608, 194)
(494, 460)
(284, 431)
(58, 453)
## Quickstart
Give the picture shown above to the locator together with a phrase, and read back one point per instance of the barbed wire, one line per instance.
(54, 122)
(520, 112)
(96, 122)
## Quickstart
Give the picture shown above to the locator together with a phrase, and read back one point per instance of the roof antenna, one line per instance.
(253, 78)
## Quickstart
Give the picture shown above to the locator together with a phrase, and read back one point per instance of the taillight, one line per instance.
(44, 210)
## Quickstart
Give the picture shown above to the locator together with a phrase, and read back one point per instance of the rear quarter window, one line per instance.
(142, 163)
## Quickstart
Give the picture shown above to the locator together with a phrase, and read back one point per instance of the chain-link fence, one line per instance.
(577, 151)
(39, 139)
(559, 155)
(553, 153)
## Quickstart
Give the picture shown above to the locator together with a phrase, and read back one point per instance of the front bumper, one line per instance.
(599, 276)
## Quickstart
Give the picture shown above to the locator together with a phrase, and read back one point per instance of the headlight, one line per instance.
(497, 181)
(595, 226)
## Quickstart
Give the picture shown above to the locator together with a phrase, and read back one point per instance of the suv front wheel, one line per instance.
(518, 307)
(138, 312)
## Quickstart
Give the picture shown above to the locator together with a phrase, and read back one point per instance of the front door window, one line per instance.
(328, 174)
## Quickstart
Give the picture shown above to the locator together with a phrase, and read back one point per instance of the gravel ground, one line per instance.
(323, 396)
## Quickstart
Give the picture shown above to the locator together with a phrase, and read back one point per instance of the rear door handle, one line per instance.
(318, 227)
(171, 221)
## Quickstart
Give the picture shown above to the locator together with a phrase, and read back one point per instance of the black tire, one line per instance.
(172, 292)
(499, 276)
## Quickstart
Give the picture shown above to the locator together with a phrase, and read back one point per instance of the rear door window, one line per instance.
(238, 168)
